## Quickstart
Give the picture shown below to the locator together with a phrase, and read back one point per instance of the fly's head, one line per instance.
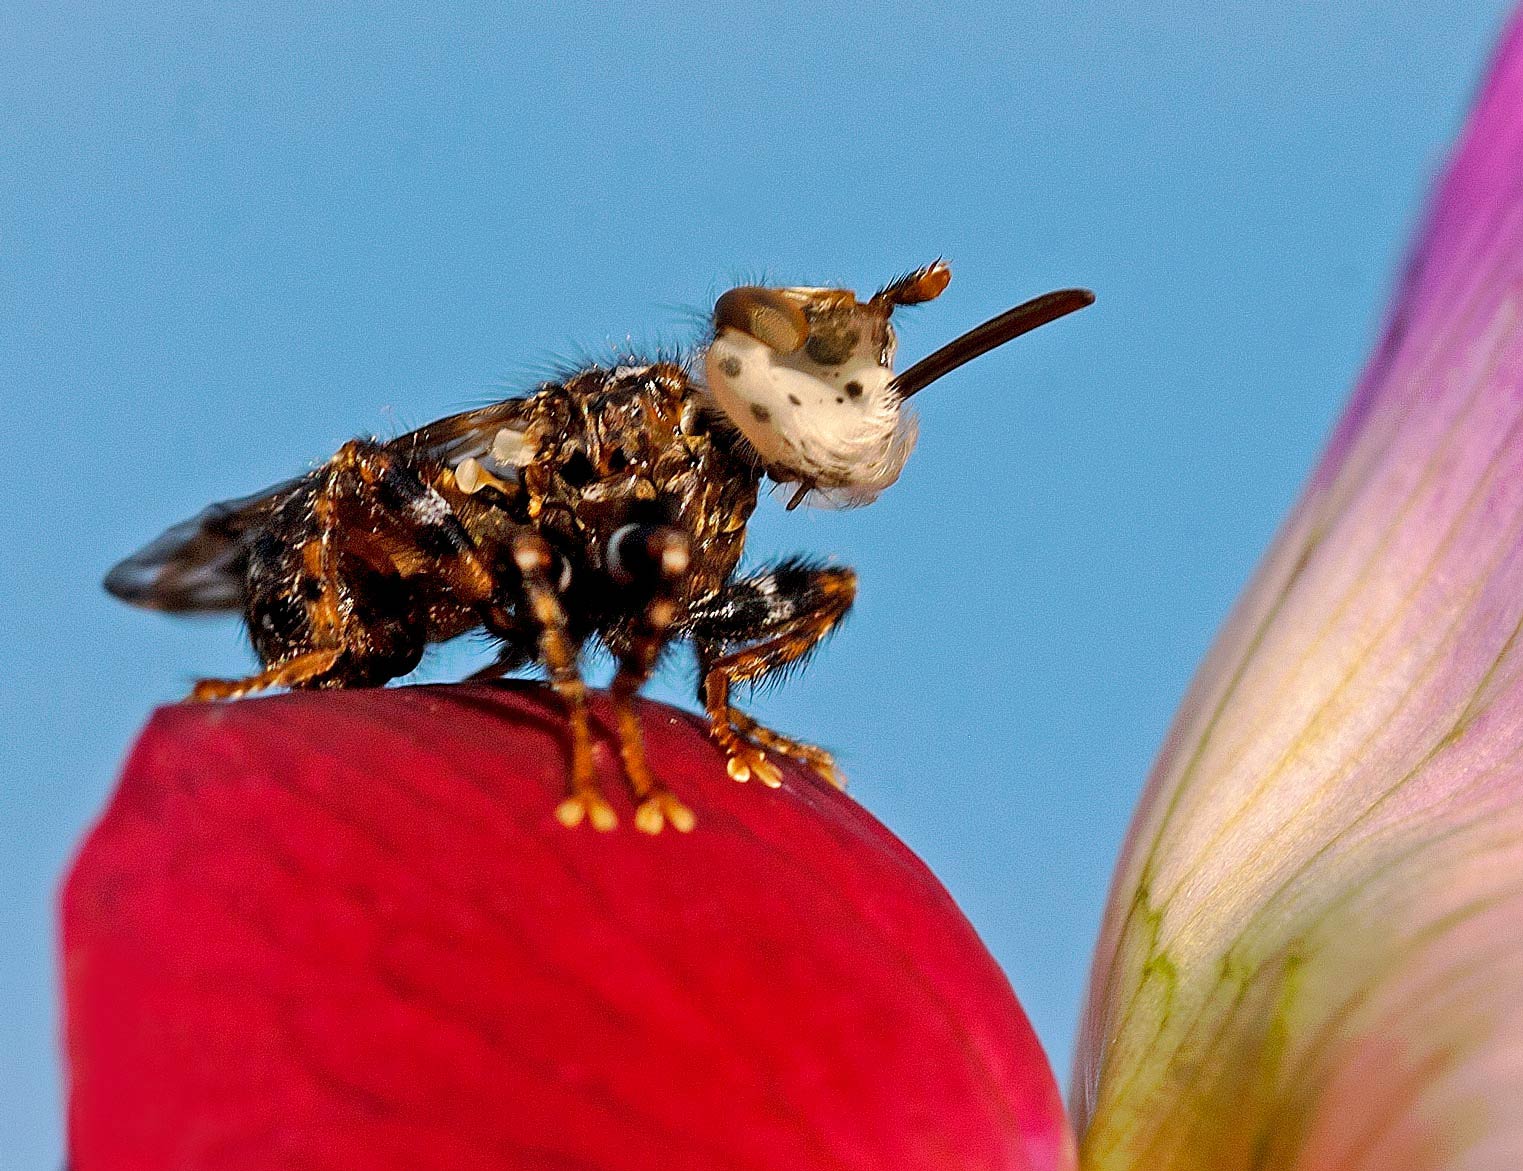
(806, 375)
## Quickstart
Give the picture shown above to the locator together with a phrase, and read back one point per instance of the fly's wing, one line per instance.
(197, 566)
(494, 435)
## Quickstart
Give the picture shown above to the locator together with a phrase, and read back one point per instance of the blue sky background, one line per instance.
(232, 236)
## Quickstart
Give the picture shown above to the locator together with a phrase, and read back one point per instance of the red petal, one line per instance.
(346, 931)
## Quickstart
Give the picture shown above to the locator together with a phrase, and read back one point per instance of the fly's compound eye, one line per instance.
(768, 315)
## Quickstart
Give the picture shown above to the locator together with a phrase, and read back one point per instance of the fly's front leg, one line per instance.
(752, 628)
(650, 558)
(557, 650)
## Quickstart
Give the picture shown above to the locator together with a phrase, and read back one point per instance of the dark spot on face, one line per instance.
(840, 400)
(795, 400)
(729, 366)
(760, 413)
(854, 388)
(266, 547)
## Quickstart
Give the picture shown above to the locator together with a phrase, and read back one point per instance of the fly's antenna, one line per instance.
(992, 334)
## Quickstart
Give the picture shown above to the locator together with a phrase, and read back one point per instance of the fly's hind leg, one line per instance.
(317, 608)
(752, 628)
(291, 673)
(649, 558)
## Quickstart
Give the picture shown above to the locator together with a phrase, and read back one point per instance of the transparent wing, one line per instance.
(197, 566)
(485, 434)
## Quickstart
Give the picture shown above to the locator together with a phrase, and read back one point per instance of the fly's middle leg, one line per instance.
(559, 652)
(650, 559)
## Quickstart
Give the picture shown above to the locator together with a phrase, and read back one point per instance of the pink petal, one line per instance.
(1313, 956)
(345, 931)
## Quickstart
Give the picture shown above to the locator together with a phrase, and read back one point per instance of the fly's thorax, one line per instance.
(613, 447)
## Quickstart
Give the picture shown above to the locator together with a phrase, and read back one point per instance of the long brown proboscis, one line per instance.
(990, 335)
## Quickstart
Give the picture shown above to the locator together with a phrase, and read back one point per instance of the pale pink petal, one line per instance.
(1313, 956)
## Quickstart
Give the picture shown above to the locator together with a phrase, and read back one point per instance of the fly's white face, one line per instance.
(806, 375)
(827, 424)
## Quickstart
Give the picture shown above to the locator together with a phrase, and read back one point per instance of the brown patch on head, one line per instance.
(833, 338)
(760, 413)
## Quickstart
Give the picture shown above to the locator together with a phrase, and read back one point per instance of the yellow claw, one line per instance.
(589, 806)
(753, 762)
(663, 809)
(767, 772)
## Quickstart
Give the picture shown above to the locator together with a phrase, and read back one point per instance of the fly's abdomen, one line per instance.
(317, 581)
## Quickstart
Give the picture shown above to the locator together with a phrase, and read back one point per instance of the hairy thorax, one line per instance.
(608, 448)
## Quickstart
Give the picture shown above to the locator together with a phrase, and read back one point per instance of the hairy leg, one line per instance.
(752, 628)
(318, 609)
(559, 652)
(291, 673)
